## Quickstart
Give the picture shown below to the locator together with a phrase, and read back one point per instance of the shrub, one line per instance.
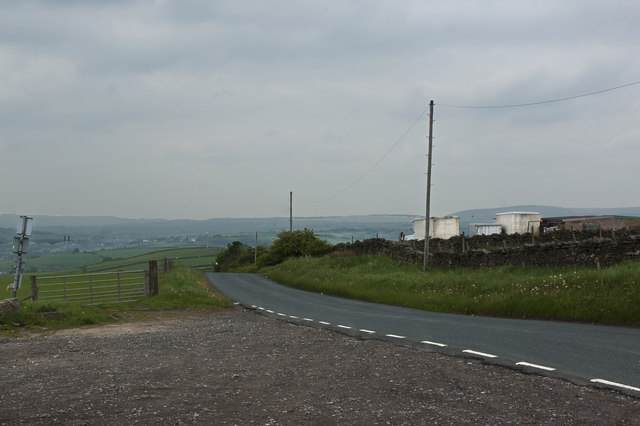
(297, 243)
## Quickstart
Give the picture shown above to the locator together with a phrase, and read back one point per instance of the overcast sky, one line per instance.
(200, 108)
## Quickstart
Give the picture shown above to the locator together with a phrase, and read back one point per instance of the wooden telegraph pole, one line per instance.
(428, 213)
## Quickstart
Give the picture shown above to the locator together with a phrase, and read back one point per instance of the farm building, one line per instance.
(484, 229)
(589, 223)
(519, 222)
(439, 227)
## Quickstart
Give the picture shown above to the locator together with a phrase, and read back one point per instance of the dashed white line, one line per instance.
(442, 345)
(469, 351)
(395, 336)
(618, 385)
(426, 342)
(541, 367)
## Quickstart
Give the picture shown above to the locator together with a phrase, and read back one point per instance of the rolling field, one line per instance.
(109, 261)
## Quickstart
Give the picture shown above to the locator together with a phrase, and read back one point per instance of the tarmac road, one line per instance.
(584, 354)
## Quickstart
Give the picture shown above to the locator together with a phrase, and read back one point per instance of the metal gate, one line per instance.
(97, 288)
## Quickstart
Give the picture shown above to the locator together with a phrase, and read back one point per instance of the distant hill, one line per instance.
(334, 227)
(387, 226)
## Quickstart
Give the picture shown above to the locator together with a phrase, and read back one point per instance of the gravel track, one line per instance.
(239, 367)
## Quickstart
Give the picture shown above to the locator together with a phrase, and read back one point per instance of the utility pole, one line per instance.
(290, 211)
(20, 244)
(427, 221)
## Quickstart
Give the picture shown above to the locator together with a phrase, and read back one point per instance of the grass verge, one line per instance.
(606, 296)
(180, 289)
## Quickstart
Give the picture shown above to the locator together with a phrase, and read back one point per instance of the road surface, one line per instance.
(585, 354)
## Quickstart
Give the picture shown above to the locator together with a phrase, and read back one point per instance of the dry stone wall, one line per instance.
(562, 248)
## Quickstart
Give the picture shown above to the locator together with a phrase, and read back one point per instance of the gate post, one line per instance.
(153, 278)
(34, 288)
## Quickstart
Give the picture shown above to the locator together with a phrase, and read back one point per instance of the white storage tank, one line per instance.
(519, 222)
(439, 227)
(484, 229)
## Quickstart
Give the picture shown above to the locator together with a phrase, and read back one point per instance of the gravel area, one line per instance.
(239, 367)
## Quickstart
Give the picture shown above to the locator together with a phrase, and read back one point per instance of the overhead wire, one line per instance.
(422, 114)
(548, 101)
(386, 154)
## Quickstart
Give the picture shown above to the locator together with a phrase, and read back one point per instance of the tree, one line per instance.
(228, 256)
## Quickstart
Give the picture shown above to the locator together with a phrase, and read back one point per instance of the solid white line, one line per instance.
(344, 326)
(364, 330)
(619, 385)
(396, 336)
(307, 319)
(469, 351)
(426, 342)
(541, 367)
(324, 323)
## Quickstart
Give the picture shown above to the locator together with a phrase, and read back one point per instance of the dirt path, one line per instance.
(237, 367)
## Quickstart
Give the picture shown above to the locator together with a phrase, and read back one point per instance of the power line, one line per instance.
(542, 102)
(355, 182)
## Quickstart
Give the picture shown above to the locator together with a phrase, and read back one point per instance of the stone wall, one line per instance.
(562, 248)
(9, 307)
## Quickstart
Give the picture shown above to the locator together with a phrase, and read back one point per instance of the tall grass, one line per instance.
(607, 296)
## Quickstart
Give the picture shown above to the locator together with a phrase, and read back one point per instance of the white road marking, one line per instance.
(253, 306)
(469, 351)
(261, 308)
(426, 342)
(324, 323)
(307, 319)
(344, 326)
(293, 316)
(619, 385)
(270, 311)
(364, 330)
(541, 367)
(396, 336)
(281, 314)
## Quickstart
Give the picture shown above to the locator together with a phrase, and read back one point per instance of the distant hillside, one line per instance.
(103, 228)
(387, 226)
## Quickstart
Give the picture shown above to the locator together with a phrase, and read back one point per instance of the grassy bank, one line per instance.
(180, 289)
(607, 296)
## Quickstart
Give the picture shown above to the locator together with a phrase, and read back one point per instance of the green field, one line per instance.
(195, 257)
(112, 260)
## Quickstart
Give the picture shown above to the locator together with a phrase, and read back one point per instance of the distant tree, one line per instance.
(228, 256)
